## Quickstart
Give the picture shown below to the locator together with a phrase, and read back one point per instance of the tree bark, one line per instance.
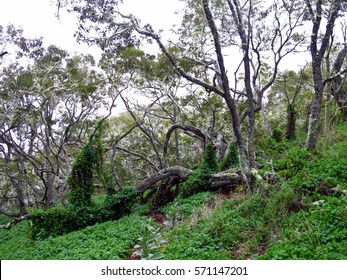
(218, 180)
(196, 131)
(317, 55)
(181, 172)
(291, 122)
(339, 92)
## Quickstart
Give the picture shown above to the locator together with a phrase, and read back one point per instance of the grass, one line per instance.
(320, 233)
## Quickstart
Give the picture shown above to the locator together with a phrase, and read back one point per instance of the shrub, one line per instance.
(199, 180)
(231, 159)
(277, 135)
(296, 160)
(87, 163)
(59, 221)
(122, 202)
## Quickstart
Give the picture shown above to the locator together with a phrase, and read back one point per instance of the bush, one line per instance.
(277, 135)
(199, 180)
(231, 160)
(87, 163)
(122, 202)
(296, 160)
(55, 221)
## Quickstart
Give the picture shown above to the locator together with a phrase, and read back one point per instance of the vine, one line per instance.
(200, 179)
(88, 163)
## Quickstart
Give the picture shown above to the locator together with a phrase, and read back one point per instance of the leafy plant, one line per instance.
(187, 206)
(149, 243)
(173, 217)
(186, 243)
(199, 180)
(111, 240)
(319, 233)
(277, 135)
(59, 221)
(231, 159)
(87, 163)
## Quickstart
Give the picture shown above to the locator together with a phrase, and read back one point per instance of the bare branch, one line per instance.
(16, 221)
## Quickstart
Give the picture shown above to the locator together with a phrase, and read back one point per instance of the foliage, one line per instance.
(231, 159)
(238, 228)
(123, 201)
(199, 180)
(173, 217)
(308, 171)
(277, 135)
(149, 243)
(59, 221)
(14, 239)
(187, 206)
(319, 233)
(185, 243)
(111, 240)
(295, 161)
(87, 163)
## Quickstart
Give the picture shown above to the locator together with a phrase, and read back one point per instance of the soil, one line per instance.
(158, 218)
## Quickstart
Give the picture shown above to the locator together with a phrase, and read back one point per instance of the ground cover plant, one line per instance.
(111, 240)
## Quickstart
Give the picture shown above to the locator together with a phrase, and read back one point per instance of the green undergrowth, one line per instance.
(59, 221)
(303, 216)
(238, 228)
(111, 240)
(308, 171)
(187, 206)
(317, 234)
(199, 180)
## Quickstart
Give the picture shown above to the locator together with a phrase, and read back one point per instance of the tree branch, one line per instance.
(16, 221)
(201, 135)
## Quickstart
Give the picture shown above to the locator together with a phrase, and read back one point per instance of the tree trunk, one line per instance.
(317, 55)
(291, 122)
(49, 185)
(182, 174)
(339, 91)
(313, 124)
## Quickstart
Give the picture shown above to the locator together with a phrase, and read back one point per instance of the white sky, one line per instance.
(37, 19)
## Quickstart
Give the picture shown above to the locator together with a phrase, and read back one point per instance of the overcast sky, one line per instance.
(37, 17)
(38, 20)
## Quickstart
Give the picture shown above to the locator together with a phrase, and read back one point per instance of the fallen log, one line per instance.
(178, 171)
(218, 180)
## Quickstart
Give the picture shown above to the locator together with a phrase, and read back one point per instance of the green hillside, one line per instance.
(302, 216)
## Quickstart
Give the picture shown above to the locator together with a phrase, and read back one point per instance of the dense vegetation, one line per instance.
(206, 147)
(304, 216)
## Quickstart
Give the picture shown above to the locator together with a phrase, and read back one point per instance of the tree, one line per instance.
(226, 24)
(46, 110)
(338, 78)
(318, 47)
(289, 86)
